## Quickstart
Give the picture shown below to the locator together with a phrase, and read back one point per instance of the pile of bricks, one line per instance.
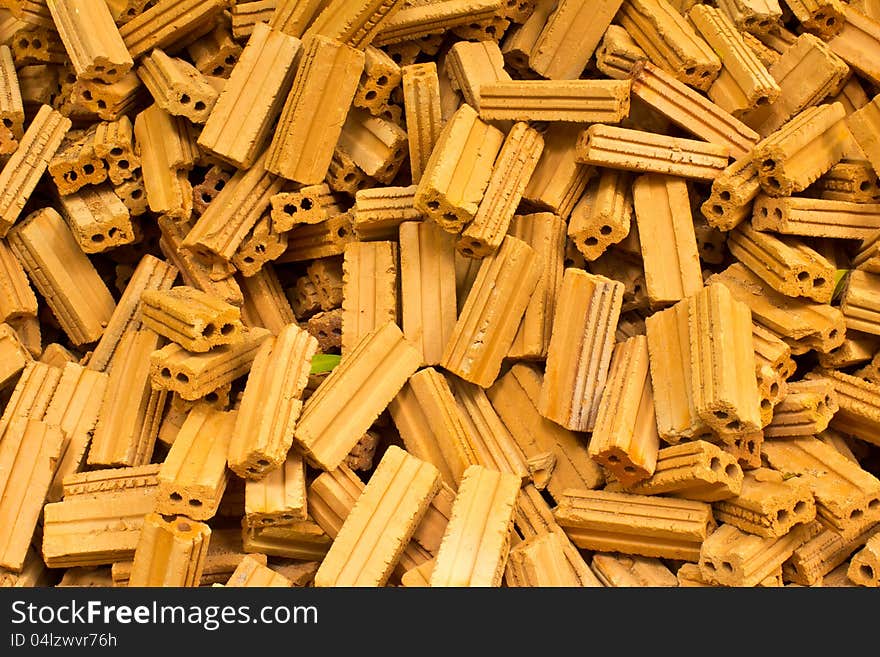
(439, 293)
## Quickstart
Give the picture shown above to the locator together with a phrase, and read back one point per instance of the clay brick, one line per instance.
(378, 212)
(376, 145)
(795, 156)
(309, 205)
(854, 44)
(219, 232)
(98, 219)
(301, 540)
(271, 403)
(767, 505)
(806, 409)
(486, 435)
(194, 272)
(215, 53)
(786, 263)
(731, 557)
(807, 73)
(857, 400)
(417, 21)
(170, 552)
(621, 570)
(421, 101)
(24, 168)
(381, 523)
(667, 238)
(279, 498)
(458, 170)
(744, 82)
(559, 180)
(857, 302)
(34, 446)
(482, 515)
(11, 105)
(545, 233)
(354, 23)
(311, 121)
(108, 102)
(472, 64)
(798, 321)
(575, 101)
(648, 526)
(31, 394)
(846, 495)
(177, 86)
(539, 561)
(731, 195)
(128, 422)
(17, 299)
(193, 375)
(492, 311)
(432, 425)
(670, 351)
(377, 367)
(755, 16)
(587, 310)
(265, 304)
(166, 155)
(821, 554)
(534, 519)
(74, 408)
(813, 217)
(100, 518)
(246, 15)
(690, 110)
(864, 567)
(857, 348)
(427, 272)
(91, 38)
(645, 152)
(169, 24)
(515, 397)
(722, 362)
(63, 275)
(625, 439)
(193, 319)
(513, 167)
(380, 78)
(262, 245)
(250, 572)
(693, 470)
(670, 41)
(369, 289)
(33, 44)
(824, 18)
(193, 475)
(850, 180)
(333, 495)
(240, 139)
(14, 356)
(603, 215)
(321, 240)
(75, 164)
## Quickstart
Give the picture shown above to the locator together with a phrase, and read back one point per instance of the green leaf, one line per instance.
(839, 282)
(324, 363)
